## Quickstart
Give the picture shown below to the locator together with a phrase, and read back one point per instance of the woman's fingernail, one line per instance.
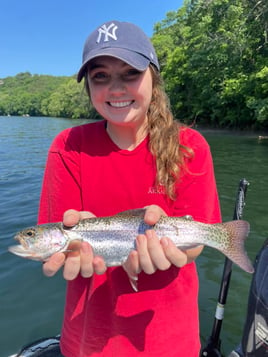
(133, 277)
(139, 239)
(59, 258)
(85, 247)
(149, 234)
(164, 241)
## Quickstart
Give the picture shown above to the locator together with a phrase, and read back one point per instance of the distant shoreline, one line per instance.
(261, 135)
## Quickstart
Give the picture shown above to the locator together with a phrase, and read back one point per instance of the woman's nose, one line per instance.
(117, 85)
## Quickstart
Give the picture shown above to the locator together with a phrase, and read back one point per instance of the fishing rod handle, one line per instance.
(240, 200)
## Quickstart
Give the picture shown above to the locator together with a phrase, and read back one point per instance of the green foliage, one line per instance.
(37, 95)
(257, 101)
(69, 100)
(215, 62)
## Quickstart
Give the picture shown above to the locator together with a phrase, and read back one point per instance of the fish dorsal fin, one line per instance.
(188, 217)
(138, 212)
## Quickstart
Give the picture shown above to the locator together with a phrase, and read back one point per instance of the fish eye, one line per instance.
(30, 233)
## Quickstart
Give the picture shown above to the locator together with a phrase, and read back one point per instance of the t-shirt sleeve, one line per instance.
(197, 191)
(61, 182)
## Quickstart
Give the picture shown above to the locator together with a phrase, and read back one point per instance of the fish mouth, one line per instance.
(24, 252)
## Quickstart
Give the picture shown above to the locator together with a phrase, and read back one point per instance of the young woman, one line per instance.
(137, 156)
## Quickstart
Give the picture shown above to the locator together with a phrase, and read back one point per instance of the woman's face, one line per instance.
(120, 93)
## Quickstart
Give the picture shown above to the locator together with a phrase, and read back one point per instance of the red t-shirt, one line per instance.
(103, 315)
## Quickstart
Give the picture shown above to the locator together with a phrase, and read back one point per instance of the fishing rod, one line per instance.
(212, 349)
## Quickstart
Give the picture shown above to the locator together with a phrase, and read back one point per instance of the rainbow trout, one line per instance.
(114, 237)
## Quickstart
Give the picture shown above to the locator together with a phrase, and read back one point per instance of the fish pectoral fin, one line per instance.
(188, 217)
(69, 250)
(134, 282)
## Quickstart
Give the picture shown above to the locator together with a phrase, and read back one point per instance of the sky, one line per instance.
(47, 36)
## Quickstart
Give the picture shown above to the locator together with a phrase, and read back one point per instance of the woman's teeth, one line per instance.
(120, 104)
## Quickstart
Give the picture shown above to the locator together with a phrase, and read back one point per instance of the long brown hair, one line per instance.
(164, 136)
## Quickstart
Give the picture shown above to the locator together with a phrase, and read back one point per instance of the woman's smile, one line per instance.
(119, 92)
(120, 104)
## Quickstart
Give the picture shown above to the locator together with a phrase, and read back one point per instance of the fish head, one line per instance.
(40, 242)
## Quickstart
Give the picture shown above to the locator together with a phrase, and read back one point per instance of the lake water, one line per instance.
(31, 305)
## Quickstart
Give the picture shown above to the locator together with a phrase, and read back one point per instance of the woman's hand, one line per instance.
(80, 259)
(153, 253)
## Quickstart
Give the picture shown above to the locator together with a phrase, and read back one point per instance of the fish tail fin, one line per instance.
(238, 232)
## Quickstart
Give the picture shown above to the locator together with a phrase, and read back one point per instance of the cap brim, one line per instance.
(134, 59)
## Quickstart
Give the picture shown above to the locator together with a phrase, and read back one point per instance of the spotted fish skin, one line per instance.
(114, 237)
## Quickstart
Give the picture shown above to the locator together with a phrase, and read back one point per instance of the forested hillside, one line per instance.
(40, 95)
(214, 59)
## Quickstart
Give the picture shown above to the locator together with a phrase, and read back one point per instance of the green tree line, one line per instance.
(41, 95)
(213, 57)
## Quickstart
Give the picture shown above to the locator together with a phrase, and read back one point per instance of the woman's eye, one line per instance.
(99, 77)
(104, 77)
(132, 74)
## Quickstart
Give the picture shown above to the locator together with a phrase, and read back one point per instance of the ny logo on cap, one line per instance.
(107, 32)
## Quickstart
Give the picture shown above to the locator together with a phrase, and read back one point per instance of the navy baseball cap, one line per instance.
(122, 40)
